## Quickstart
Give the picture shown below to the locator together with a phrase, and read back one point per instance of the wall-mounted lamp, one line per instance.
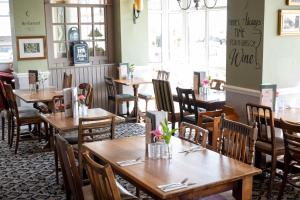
(137, 8)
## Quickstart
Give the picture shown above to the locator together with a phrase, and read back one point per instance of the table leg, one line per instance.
(135, 110)
(243, 189)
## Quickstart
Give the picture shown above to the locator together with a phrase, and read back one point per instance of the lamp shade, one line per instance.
(138, 4)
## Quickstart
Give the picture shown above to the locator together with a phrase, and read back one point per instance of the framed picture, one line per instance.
(268, 95)
(293, 2)
(123, 70)
(289, 22)
(31, 47)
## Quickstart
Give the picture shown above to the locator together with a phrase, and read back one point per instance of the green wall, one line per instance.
(281, 53)
(245, 43)
(28, 20)
(131, 40)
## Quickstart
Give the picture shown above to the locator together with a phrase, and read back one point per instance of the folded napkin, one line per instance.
(125, 163)
(192, 149)
(172, 186)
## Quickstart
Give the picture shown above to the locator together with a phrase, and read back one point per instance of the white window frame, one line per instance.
(9, 42)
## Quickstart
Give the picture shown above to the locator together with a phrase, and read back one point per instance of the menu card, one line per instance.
(70, 102)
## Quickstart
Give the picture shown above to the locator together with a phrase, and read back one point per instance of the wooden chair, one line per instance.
(116, 98)
(20, 118)
(103, 181)
(187, 99)
(210, 120)
(217, 84)
(164, 99)
(193, 133)
(267, 142)
(237, 140)
(291, 138)
(67, 81)
(86, 89)
(72, 183)
(4, 110)
(161, 75)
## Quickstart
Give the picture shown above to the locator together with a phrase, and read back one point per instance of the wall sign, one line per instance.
(80, 53)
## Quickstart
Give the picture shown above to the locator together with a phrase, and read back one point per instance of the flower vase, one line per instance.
(167, 151)
(82, 110)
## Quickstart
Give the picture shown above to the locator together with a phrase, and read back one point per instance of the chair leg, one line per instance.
(12, 132)
(56, 163)
(116, 107)
(3, 127)
(273, 173)
(284, 179)
(39, 131)
(127, 106)
(146, 101)
(8, 129)
(18, 139)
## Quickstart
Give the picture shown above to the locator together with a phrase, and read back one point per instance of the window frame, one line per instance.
(8, 43)
(64, 62)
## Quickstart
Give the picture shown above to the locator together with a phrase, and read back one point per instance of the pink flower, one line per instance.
(81, 97)
(157, 134)
(205, 82)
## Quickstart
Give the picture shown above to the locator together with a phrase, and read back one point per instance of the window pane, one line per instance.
(217, 38)
(58, 32)
(73, 33)
(98, 15)
(58, 15)
(71, 15)
(91, 48)
(197, 38)
(154, 4)
(86, 32)
(59, 50)
(100, 48)
(86, 15)
(5, 26)
(4, 8)
(99, 32)
(221, 3)
(173, 4)
(176, 38)
(6, 54)
(155, 39)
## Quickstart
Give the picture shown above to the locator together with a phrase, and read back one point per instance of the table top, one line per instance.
(131, 82)
(42, 95)
(64, 124)
(206, 168)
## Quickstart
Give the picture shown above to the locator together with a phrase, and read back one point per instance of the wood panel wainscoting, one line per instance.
(93, 74)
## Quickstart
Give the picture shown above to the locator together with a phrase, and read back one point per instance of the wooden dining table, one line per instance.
(213, 100)
(42, 95)
(134, 83)
(207, 171)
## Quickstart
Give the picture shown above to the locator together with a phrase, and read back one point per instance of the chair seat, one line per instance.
(28, 114)
(26, 109)
(267, 147)
(146, 96)
(87, 192)
(125, 97)
(190, 118)
(125, 194)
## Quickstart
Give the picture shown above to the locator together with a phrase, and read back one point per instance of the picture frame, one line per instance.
(31, 47)
(268, 95)
(123, 70)
(289, 22)
(293, 2)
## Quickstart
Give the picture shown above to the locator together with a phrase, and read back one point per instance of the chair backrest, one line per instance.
(102, 179)
(58, 104)
(217, 84)
(187, 99)
(163, 75)
(291, 136)
(163, 96)
(110, 87)
(67, 81)
(193, 133)
(86, 89)
(263, 116)
(11, 100)
(237, 140)
(94, 129)
(3, 100)
(69, 169)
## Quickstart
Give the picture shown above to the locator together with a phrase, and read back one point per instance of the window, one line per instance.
(6, 54)
(77, 21)
(186, 41)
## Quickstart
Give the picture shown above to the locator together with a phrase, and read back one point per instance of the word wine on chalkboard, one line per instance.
(80, 53)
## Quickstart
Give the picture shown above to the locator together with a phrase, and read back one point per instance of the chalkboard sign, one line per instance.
(80, 53)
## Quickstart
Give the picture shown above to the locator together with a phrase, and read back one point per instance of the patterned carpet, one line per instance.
(30, 174)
